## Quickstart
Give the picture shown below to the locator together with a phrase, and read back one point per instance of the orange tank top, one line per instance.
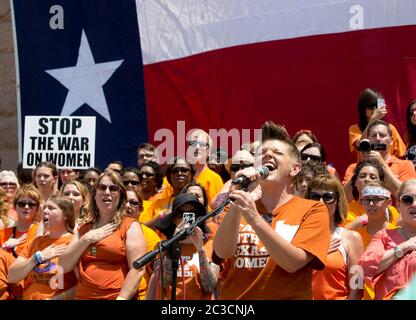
(103, 266)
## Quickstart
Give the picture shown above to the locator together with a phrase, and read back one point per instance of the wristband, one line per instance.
(38, 258)
(363, 220)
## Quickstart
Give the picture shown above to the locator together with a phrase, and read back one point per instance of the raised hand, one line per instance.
(197, 238)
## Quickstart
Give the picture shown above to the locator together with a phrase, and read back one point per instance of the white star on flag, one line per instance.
(85, 81)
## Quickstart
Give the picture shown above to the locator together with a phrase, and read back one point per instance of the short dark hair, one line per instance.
(365, 163)
(383, 123)
(157, 170)
(272, 131)
(315, 145)
(367, 99)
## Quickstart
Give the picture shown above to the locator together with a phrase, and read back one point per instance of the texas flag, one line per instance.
(230, 64)
(83, 58)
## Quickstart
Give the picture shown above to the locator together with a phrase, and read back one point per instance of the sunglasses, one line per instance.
(327, 197)
(8, 184)
(375, 200)
(103, 187)
(180, 170)
(202, 144)
(147, 174)
(305, 157)
(407, 199)
(23, 204)
(237, 167)
(133, 203)
(132, 182)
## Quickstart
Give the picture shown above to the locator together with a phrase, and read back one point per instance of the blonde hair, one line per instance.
(94, 213)
(29, 191)
(4, 207)
(85, 194)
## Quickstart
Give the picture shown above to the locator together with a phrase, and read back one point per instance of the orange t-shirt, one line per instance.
(6, 290)
(37, 283)
(403, 169)
(102, 274)
(252, 275)
(188, 275)
(12, 232)
(161, 205)
(211, 181)
(398, 148)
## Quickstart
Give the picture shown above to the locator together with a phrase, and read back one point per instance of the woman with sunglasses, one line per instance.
(369, 112)
(79, 195)
(199, 148)
(375, 200)
(411, 132)
(46, 179)
(38, 263)
(107, 245)
(131, 178)
(179, 173)
(134, 207)
(389, 262)
(316, 152)
(10, 184)
(364, 172)
(151, 181)
(26, 202)
(333, 282)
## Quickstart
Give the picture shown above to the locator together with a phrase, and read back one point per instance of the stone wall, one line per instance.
(8, 108)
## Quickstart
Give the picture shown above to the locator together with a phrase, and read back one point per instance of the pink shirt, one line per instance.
(400, 272)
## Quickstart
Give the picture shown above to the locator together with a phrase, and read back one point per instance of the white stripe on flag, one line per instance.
(171, 29)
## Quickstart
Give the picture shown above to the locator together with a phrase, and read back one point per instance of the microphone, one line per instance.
(244, 181)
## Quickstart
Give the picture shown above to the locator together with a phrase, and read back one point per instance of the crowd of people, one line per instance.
(301, 231)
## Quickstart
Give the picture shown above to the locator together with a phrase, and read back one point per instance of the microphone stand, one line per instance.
(174, 247)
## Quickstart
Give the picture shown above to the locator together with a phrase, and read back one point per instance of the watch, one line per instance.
(398, 252)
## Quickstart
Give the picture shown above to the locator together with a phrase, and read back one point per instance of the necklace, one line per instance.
(93, 249)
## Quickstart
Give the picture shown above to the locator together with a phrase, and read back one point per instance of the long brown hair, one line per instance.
(328, 182)
(94, 214)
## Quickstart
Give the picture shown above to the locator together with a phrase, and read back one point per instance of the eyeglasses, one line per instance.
(147, 174)
(407, 199)
(201, 143)
(132, 182)
(375, 200)
(8, 184)
(133, 203)
(327, 197)
(23, 204)
(305, 157)
(180, 170)
(237, 167)
(103, 187)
